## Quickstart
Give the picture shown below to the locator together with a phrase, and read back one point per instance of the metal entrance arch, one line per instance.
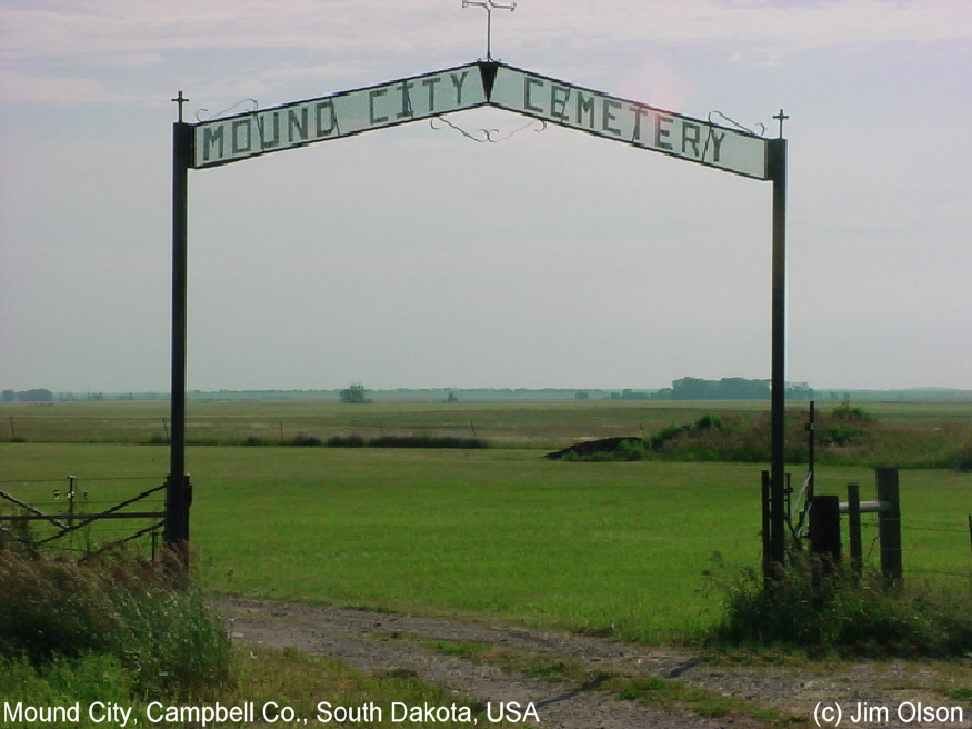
(487, 83)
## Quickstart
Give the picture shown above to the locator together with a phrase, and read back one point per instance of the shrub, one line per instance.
(305, 440)
(846, 412)
(850, 437)
(962, 459)
(657, 441)
(839, 434)
(345, 441)
(708, 422)
(354, 394)
(818, 606)
(130, 610)
(630, 450)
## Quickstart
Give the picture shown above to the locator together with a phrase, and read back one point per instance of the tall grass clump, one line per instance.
(823, 608)
(58, 681)
(132, 612)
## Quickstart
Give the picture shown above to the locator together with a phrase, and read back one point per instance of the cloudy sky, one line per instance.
(416, 257)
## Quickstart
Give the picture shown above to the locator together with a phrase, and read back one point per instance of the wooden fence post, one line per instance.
(825, 526)
(889, 522)
(854, 522)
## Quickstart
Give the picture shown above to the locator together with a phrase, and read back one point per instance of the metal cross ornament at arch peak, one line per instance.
(489, 6)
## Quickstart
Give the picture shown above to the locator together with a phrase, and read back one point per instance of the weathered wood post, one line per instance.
(889, 522)
(825, 526)
(812, 437)
(854, 522)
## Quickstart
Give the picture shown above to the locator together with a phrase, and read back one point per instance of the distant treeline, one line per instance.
(731, 388)
(38, 394)
(686, 388)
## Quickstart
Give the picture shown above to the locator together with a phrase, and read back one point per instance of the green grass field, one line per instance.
(514, 424)
(509, 424)
(608, 548)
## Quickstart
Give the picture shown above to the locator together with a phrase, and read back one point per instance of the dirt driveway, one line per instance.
(380, 642)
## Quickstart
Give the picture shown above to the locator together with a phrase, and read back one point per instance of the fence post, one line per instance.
(767, 561)
(854, 522)
(811, 429)
(825, 526)
(889, 522)
(72, 485)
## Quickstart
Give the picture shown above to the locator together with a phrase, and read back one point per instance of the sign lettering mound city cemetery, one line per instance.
(484, 83)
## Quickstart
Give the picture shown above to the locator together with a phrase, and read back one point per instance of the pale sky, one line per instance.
(414, 257)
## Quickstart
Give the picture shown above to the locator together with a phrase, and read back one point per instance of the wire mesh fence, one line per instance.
(73, 516)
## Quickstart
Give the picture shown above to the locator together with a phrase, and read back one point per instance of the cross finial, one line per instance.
(489, 6)
(180, 100)
(781, 117)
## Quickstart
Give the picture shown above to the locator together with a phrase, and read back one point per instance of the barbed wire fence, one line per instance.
(76, 517)
(934, 549)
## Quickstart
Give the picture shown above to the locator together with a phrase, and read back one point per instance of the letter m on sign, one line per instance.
(211, 137)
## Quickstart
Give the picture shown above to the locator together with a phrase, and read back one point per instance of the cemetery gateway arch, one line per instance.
(487, 83)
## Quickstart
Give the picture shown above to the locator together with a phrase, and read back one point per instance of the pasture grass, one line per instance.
(610, 549)
(270, 675)
(259, 675)
(906, 434)
(516, 424)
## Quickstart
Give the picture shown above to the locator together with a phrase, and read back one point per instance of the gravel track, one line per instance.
(360, 639)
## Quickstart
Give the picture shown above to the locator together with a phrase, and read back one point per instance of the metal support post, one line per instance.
(767, 528)
(177, 496)
(777, 169)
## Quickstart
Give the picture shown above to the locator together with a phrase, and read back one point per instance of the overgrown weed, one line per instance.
(826, 610)
(126, 610)
(845, 437)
